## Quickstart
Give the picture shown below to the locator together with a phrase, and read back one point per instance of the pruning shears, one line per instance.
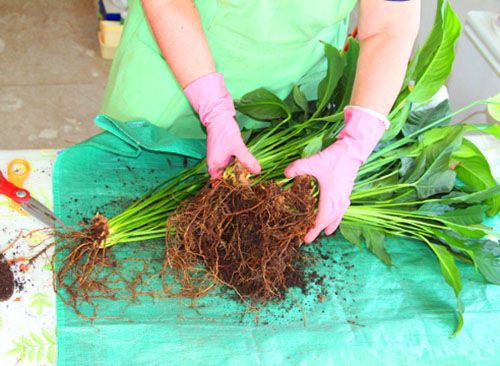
(18, 170)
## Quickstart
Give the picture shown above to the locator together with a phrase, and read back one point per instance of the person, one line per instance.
(181, 62)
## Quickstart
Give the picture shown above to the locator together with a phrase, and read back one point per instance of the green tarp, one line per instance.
(370, 313)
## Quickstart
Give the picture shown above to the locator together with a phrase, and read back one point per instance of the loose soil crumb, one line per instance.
(6, 280)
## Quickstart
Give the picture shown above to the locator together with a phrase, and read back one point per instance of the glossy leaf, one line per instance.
(263, 105)
(491, 129)
(437, 55)
(431, 174)
(346, 83)
(475, 197)
(487, 255)
(313, 146)
(351, 233)
(476, 231)
(455, 243)
(411, 71)
(474, 171)
(397, 122)
(245, 135)
(434, 208)
(494, 107)
(375, 244)
(435, 147)
(300, 99)
(434, 183)
(422, 117)
(334, 72)
(465, 216)
(451, 275)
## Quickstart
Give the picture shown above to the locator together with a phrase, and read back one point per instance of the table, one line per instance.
(28, 319)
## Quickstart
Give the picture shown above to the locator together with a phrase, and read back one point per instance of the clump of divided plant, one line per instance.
(247, 237)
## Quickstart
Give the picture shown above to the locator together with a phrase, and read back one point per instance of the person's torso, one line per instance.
(255, 43)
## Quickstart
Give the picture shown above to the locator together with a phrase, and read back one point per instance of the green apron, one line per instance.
(261, 43)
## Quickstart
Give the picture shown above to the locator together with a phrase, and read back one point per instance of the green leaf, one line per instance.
(344, 87)
(245, 135)
(425, 54)
(292, 106)
(375, 244)
(437, 54)
(491, 129)
(397, 122)
(261, 104)
(435, 182)
(455, 243)
(313, 146)
(434, 208)
(488, 260)
(334, 72)
(439, 134)
(300, 99)
(431, 174)
(475, 197)
(469, 231)
(494, 107)
(410, 72)
(465, 216)
(434, 148)
(451, 275)
(474, 171)
(374, 240)
(422, 117)
(351, 233)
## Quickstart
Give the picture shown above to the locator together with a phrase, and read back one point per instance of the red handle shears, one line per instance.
(23, 197)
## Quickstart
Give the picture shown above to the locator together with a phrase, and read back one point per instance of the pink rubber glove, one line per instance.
(335, 168)
(211, 100)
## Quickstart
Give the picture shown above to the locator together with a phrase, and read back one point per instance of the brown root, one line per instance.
(86, 270)
(242, 236)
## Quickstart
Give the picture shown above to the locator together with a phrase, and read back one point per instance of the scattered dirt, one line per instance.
(7, 282)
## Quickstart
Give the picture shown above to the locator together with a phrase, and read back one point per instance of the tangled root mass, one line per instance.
(242, 236)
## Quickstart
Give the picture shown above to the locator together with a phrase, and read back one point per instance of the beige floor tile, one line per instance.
(47, 116)
(52, 77)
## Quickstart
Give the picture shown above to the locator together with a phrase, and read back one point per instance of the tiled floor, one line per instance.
(52, 77)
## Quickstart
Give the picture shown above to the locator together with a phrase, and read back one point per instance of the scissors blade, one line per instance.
(42, 213)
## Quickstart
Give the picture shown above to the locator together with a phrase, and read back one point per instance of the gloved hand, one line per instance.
(211, 100)
(335, 168)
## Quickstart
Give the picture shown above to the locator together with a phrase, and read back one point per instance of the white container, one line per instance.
(107, 51)
(476, 71)
(111, 32)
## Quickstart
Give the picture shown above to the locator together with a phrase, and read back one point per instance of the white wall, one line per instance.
(461, 7)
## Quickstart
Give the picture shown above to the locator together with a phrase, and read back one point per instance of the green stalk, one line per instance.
(275, 149)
